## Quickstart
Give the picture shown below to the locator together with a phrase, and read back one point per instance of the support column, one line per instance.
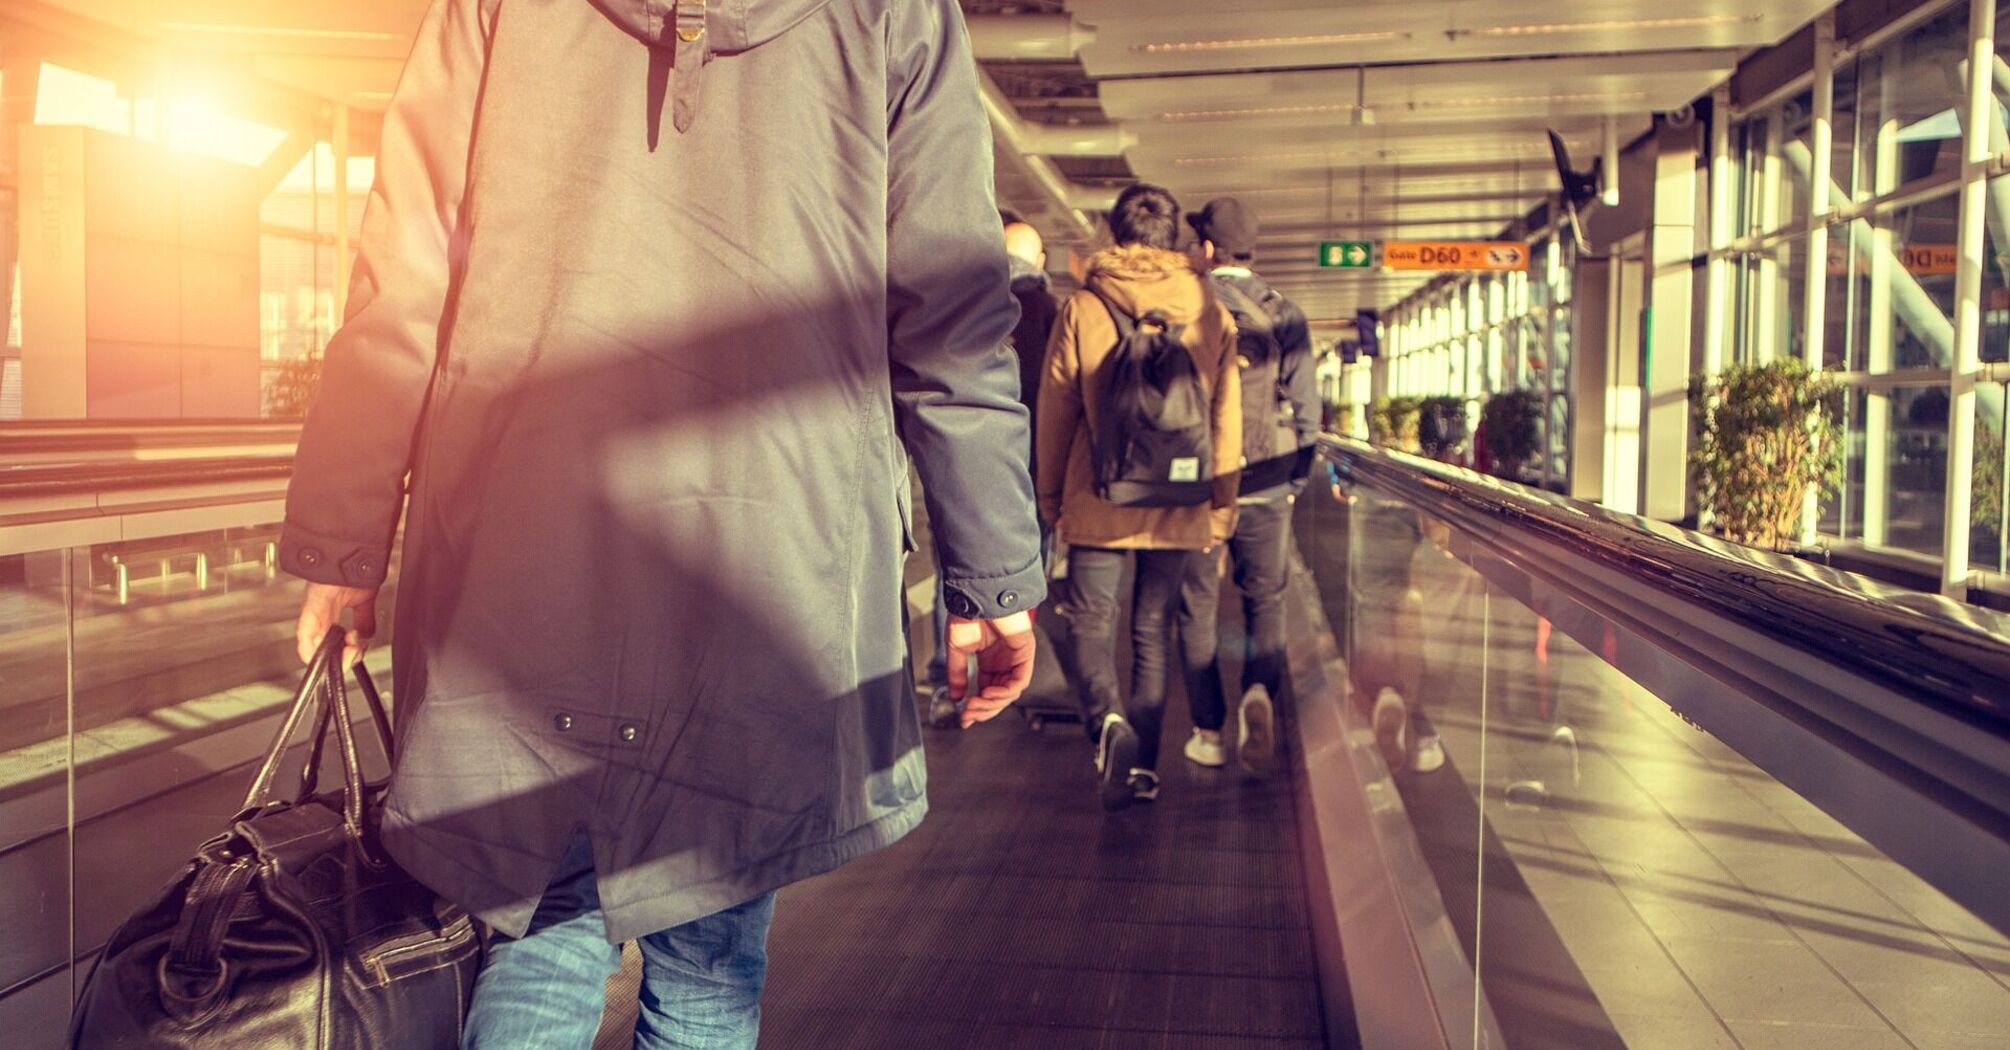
(20, 76)
(1591, 309)
(1814, 314)
(340, 142)
(1882, 261)
(1717, 309)
(1979, 107)
(1671, 244)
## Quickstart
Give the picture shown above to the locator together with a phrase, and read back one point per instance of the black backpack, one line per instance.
(1154, 435)
(1270, 447)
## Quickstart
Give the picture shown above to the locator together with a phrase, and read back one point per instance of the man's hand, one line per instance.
(322, 609)
(1004, 649)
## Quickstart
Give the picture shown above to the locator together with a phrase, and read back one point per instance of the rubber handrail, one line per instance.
(1953, 656)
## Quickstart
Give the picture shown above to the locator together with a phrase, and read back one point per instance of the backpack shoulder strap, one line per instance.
(1125, 323)
(1232, 297)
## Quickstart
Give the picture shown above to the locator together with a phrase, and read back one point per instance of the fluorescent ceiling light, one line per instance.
(1177, 116)
(1452, 151)
(1614, 25)
(1241, 43)
(1528, 100)
(1184, 115)
(280, 31)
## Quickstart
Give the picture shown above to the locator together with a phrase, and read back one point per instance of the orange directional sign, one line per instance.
(1497, 256)
(1919, 260)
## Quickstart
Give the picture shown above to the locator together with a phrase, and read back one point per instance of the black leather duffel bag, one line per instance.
(292, 929)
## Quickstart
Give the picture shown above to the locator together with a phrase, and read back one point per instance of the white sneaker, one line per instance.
(1391, 719)
(1256, 730)
(1204, 748)
(1430, 756)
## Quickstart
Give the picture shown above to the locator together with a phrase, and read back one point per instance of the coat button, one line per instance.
(628, 734)
(563, 722)
(310, 556)
(1009, 599)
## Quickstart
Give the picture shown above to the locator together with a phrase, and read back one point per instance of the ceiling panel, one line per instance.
(1157, 37)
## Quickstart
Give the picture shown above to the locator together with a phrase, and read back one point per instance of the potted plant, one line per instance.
(1393, 422)
(1985, 519)
(1441, 427)
(290, 388)
(1508, 424)
(1765, 436)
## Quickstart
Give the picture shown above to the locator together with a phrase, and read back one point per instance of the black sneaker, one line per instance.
(1116, 756)
(942, 712)
(1144, 785)
(1256, 731)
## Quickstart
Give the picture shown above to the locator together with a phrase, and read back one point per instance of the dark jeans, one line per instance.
(1095, 575)
(1259, 551)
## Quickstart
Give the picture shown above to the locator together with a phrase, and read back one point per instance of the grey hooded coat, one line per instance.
(654, 319)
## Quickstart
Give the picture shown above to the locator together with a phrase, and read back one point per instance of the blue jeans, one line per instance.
(701, 982)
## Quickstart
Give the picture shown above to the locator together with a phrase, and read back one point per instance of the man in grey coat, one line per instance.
(653, 303)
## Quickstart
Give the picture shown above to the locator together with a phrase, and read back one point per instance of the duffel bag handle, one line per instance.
(322, 686)
(310, 772)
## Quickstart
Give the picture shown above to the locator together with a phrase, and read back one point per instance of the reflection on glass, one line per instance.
(1616, 875)
(35, 876)
(1898, 292)
(1776, 167)
(182, 659)
(1772, 290)
(1908, 121)
(1916, 469)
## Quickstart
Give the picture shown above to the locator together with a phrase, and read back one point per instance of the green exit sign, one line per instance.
(1347, 255)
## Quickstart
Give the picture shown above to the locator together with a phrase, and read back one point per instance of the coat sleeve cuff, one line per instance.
(995, 597)
(320, 558)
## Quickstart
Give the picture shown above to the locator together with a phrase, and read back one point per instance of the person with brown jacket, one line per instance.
(1143, 274)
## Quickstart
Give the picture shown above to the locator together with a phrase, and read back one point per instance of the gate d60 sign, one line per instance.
(1492, 256)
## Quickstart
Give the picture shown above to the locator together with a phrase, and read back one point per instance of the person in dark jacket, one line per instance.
(1027, 255)
(654, 304)
(1260, 546)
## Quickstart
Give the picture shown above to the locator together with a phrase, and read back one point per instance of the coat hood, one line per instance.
(730, 25)
(689, 32)
(1140, 279)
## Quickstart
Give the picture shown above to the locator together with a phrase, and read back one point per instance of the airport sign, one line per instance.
(1487, 256)
(1347, 255)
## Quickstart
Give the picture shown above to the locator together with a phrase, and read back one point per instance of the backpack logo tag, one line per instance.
(1185, 468)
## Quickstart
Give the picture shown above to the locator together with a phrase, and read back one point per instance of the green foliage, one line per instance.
(291, 389)
(1393, 422)
(1986, 498)
(1512, 420)
(1765, 434)
(1441, 426)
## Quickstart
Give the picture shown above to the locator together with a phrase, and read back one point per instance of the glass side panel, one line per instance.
(1618, 876)
(35, 874)
(183, 661)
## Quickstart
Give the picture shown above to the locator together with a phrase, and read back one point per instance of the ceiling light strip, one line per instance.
(1611, 26)
(1242, 43)
(1183, 115)
(220, 29)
